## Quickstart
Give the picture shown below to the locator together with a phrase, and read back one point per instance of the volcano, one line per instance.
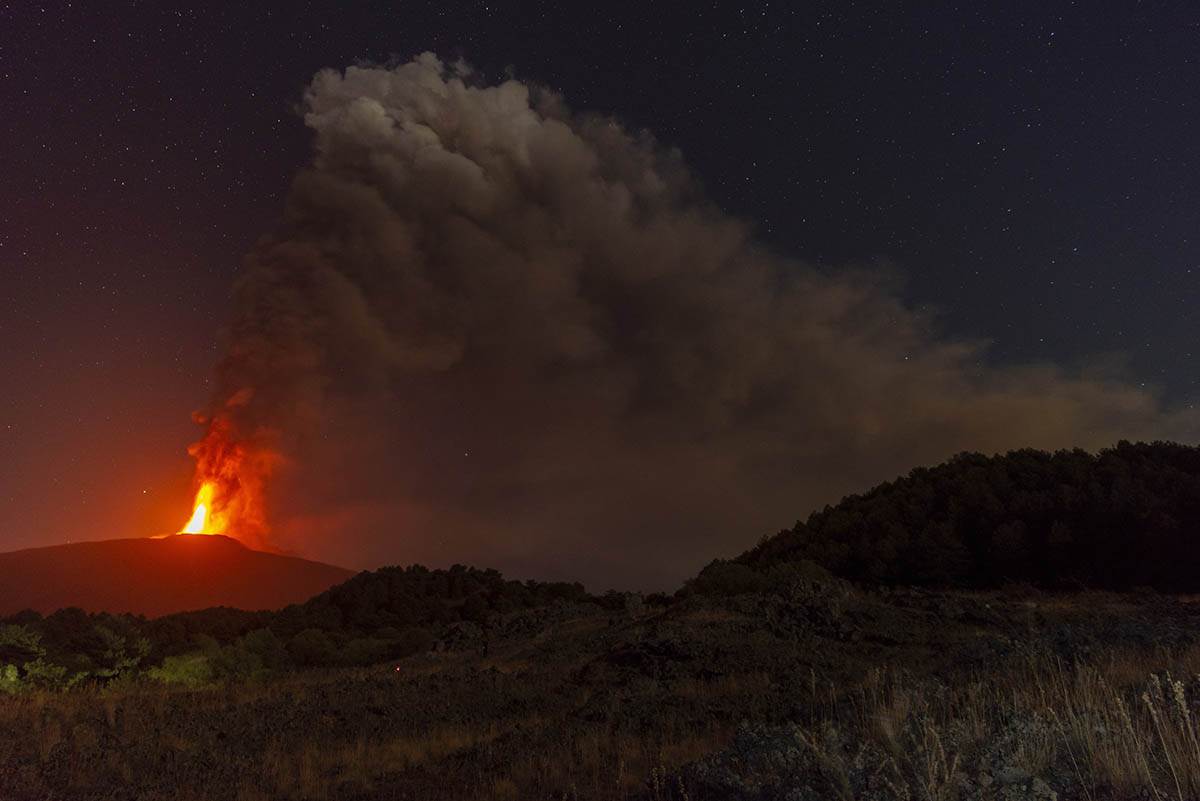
(158, 576)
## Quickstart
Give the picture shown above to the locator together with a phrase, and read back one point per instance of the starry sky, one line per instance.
(1030, 172)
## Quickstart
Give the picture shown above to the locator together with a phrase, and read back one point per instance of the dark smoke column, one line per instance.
(490, 330)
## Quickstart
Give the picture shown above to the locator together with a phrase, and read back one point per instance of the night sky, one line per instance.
(1031, 174)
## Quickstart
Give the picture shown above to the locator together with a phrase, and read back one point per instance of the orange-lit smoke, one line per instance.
(231, 476)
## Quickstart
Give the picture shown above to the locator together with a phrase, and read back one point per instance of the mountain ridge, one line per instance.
(158, 576)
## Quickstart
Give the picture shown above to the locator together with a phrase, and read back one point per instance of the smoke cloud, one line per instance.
(496, 332)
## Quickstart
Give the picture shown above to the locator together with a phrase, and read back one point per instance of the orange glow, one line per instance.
(231, 475)
(199, 522)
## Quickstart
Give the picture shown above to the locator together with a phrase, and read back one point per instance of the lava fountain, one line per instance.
(199, 522)
(231, 476)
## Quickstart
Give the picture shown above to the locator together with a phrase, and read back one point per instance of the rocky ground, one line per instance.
(816, 690)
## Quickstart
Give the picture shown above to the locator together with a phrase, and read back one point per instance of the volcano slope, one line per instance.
(157, 576)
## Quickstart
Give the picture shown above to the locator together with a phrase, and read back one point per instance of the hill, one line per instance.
(158, 576)
(1125, 518)
(374, 616)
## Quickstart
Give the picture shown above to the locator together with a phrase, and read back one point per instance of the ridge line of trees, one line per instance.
(371, 618)
(1125, 518)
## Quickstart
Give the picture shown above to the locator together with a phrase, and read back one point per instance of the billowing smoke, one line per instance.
(495, 332)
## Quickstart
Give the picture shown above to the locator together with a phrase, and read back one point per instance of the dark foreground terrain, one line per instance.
(964, 663)
(813, 690)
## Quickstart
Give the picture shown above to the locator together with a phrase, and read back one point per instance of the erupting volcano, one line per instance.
(231, 473)
(198, 524)
(235, 566)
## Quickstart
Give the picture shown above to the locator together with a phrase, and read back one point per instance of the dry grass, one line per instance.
(1126, 728)
(1123, 726)
(1144, 740)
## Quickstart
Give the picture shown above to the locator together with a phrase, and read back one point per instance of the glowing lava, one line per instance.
(231, 476)
(199, 522)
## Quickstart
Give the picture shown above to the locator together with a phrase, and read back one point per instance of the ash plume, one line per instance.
(494, 331)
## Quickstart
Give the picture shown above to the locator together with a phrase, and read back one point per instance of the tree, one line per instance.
(312, 647)
(119, 653)
(19, 644)
(1117, 519)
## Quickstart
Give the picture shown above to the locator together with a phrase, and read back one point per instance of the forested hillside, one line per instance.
(375, 616)
(1124, 518)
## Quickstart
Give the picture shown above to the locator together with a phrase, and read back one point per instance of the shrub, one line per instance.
(189, 670)
(364, 651)
(312, 647)
(272, 654)
(10, 679)
(411, 641)
(49, 676)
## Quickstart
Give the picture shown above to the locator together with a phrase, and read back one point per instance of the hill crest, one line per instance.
(158, 576)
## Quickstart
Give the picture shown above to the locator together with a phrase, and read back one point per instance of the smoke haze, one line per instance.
(496, 332)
